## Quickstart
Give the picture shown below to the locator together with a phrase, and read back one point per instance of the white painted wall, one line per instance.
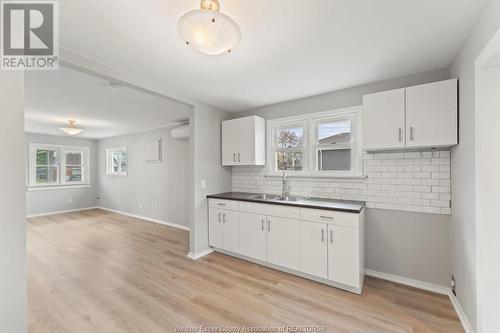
(463, 236)
(487, 70)
(56, 200)
(157, 191)
(13, 288)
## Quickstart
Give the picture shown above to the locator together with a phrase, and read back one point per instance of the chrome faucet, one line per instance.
(284, 190)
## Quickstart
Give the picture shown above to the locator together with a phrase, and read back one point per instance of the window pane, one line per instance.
(292, 161)
(334, 159)
(74, 174)
(74, 158)
(290, 137)
(334, 132)
(46, 157)
(46, 174)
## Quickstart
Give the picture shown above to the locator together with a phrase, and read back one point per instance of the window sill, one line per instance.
(309, 176)
(56, 187)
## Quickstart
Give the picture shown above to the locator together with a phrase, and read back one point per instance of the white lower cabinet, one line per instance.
(283, 242)
(224, 229)
(343, 255)
(324, 245)
(314, 249)
(253, 235)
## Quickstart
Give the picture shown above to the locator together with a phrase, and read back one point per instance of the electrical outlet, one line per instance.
(453, 285)
(203, 184)
(140, 205)
(70, 200)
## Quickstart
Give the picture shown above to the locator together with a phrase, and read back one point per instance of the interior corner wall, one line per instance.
(154, 190)
(463, 232)
(57, 199)
(207, 136)
(13, 286)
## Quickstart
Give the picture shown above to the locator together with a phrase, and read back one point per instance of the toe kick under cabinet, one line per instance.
(322, 245)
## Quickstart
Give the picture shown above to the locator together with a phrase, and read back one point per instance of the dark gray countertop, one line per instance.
(317, 203)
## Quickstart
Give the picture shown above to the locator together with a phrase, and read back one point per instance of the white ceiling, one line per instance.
(289, 48)
(54, 97)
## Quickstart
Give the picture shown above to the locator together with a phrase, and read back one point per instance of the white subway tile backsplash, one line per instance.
(410, 181)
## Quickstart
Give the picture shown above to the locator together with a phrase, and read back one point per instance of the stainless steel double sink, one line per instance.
(268, 197)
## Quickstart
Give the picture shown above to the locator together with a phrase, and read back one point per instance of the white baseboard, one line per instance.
(409, 282)
(461, 314)
(60, 212)
(173, 225)
(196, 256)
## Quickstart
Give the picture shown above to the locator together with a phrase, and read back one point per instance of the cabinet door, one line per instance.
(283, 242)
(230, 224)
(253, 235)
(246, 141)
(314, 250)
(215, 228)
(343, 255)
(431, 114)
(230, 142)
(384, 120)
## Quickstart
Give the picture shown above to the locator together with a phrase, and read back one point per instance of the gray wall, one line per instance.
(340, 98)
(207, 166)
(414, 245)
(463, 239)
(56, 200)
(161, 188)
(397, 242)
(13, 288)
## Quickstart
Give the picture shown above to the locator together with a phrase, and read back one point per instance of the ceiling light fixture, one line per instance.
(71, 129)
(208, 30)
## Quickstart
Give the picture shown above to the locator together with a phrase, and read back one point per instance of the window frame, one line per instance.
(61, 165)
(310, 121)
(109, 169)
(272, 148)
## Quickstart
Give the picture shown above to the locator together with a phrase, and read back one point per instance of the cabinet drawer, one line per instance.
(270, 210)
(223, 204)
(330, 216)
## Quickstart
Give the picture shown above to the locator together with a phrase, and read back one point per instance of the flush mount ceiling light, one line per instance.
(71, 129)
(208, 30)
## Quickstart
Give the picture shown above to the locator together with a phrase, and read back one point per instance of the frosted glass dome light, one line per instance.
(208, 30)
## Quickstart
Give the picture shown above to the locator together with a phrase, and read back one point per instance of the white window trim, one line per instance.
(310, 120)
(61, 181)
(108, 162)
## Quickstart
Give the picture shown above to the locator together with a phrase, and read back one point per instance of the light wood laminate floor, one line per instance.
(95, 271)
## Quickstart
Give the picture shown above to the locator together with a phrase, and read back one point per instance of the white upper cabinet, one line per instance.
(244, 141)
(431, 114)
(423, 116)
(384, 120)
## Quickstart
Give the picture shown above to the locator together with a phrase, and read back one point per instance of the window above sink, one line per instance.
(323, 144)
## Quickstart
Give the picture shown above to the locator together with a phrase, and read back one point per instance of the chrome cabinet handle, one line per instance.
(412, 135)
(322, 235)
(268, 225)
(262, 224)
(221, 204)
(239, 159)
(327, 217)
(234, 157)
(400, 134)
(331, 236)
(223, 218)
(219, 217)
